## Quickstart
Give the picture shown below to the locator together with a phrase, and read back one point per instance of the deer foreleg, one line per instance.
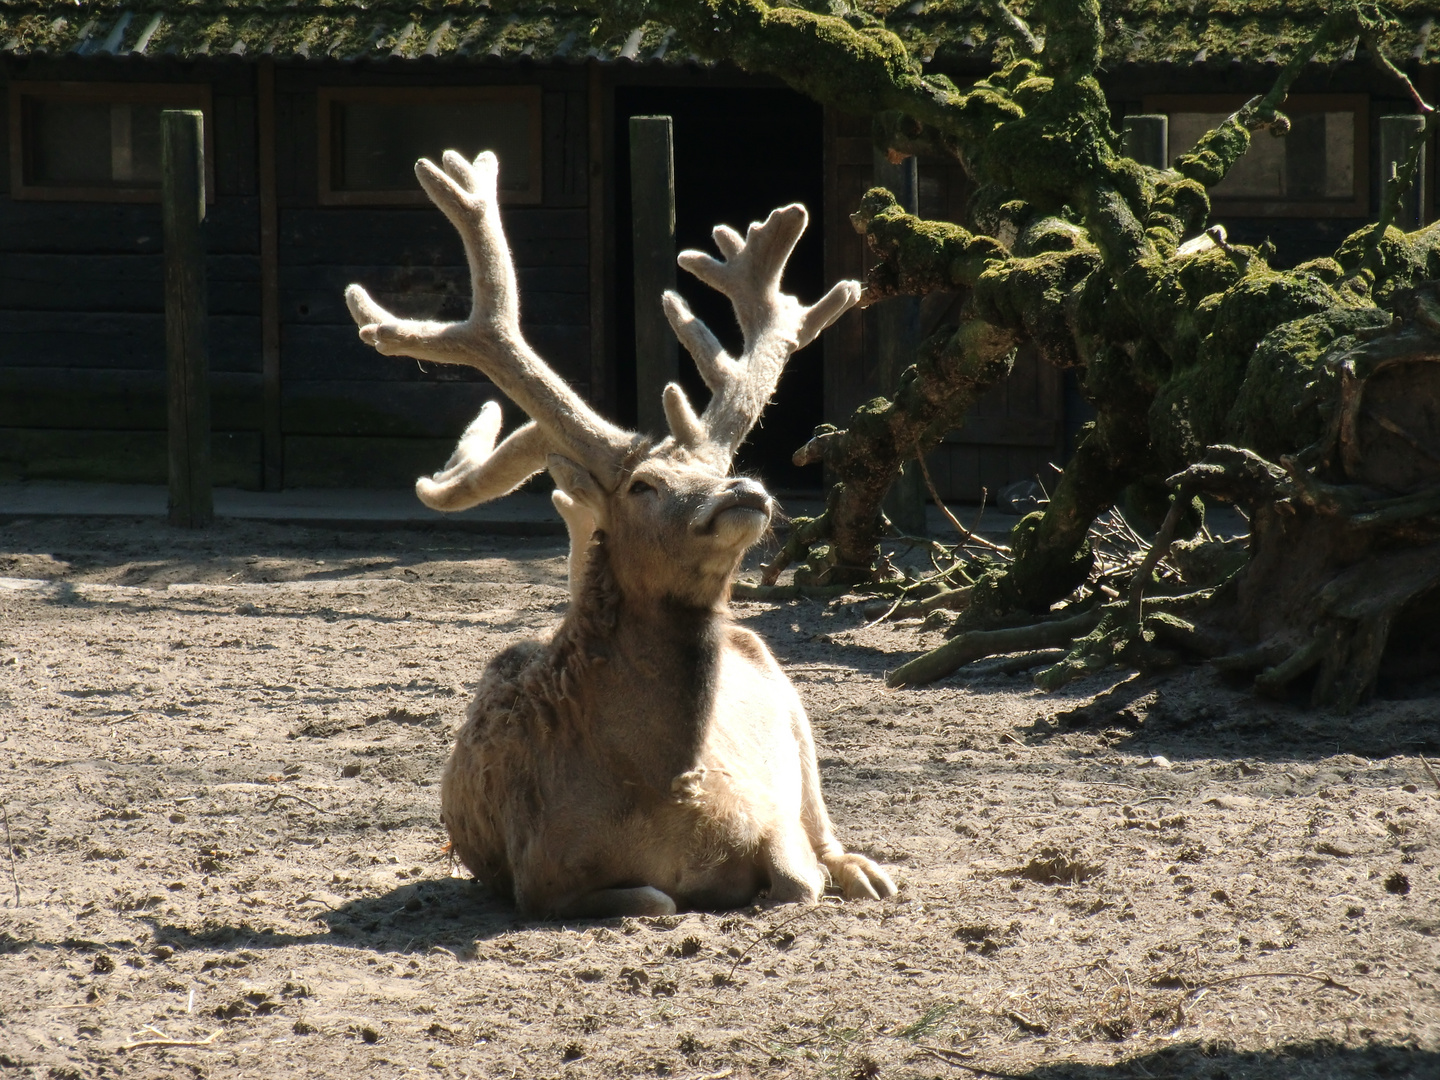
(856, 876)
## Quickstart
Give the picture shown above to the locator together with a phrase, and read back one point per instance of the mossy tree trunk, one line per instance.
(1181, 341)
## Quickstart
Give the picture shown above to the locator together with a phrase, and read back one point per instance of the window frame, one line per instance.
(175, 95)
(329, 96)
(1358, 104)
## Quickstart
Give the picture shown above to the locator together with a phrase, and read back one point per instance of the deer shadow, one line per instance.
(1318, 1060)
(446, 913)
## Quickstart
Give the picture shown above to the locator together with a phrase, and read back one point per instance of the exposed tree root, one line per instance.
(978, 644)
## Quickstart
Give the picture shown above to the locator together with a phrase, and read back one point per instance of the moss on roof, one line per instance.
(943, 33)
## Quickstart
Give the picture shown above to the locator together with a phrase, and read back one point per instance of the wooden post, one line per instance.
(1147, 140)
(272, 447)
(898, 332)
(600, 382)
(652, 213)
(1395, 135)
(182, 193)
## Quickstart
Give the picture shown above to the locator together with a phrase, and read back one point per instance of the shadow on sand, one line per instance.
(1217, 1061)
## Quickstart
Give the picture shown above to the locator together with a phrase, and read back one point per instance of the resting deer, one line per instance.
(651, 755)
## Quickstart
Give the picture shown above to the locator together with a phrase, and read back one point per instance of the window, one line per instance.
(1318, 170)
(96, 141)
(371, 138)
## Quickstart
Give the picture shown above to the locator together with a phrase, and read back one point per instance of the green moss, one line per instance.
(1190, 411)
(1073, 36)
(1215, 154)
(922, 256)
(1326, 269)
(1180, 208)
(1401, 259)
(1279, 377)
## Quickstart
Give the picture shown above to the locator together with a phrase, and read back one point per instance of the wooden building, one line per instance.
(314, 113)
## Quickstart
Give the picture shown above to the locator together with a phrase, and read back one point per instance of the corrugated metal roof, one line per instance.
(945, 33)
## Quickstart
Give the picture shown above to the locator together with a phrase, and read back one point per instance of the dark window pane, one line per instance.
(1316, 160)
(145, 143)
(377, 145)
(94, 144)
(70, 142)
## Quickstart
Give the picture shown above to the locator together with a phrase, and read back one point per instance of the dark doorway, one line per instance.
(739, 153)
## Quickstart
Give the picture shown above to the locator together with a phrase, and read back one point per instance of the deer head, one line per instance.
(671, 507)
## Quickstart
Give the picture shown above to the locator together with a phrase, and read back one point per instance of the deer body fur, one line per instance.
(651, 755)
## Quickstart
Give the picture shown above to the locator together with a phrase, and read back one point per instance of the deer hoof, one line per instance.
(859, 878)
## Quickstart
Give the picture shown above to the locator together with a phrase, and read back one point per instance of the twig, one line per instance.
(1428, 769)
(1323, 979)
(10, 850)
(744, 590)
(952, 1057)
(769, 1054)
(1015, 25)
(966, 536)
(769, 933)
(1008, 665)
(1158, 550)
(286, 795)
(1383, 62)
(161, 1039)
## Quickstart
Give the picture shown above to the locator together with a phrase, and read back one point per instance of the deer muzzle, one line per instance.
(740, 496)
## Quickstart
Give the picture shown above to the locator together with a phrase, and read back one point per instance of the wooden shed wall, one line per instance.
(82, 363)
(349, 415)
(82, 347)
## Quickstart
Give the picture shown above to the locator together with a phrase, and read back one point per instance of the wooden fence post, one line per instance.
(897, 324)
(1147, 139)
(1395, 135)
(182, 193)
(652, 214)
(271, 440)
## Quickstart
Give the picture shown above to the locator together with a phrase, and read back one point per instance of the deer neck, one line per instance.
(660, 670)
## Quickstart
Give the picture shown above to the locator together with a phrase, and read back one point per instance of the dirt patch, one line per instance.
(219, 754)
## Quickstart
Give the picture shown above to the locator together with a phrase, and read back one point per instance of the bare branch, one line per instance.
(1015, 26)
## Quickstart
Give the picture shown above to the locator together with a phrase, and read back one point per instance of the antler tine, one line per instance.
(490, 338)
(478, 470)
(684, 424)
(714, 363)
(774, 324)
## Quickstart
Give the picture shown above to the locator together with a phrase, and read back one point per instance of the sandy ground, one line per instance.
(218, 762)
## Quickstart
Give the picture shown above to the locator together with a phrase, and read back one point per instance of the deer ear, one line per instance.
(574, 481)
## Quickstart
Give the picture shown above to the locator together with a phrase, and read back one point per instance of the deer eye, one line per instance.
(639, 487)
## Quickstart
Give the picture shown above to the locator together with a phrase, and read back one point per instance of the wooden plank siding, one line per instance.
(82, 386)
(1016, 429)
(82, 326)
(348, 415)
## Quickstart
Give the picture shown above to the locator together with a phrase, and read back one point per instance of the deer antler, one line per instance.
(491, 339)
(478, 470)
(774, 324)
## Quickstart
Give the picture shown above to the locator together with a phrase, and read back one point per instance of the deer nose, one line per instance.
(745, 490)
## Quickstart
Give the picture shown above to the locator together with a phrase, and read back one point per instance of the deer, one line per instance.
(651, 755)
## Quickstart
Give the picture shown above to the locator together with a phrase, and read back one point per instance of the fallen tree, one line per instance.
(1309, 396)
